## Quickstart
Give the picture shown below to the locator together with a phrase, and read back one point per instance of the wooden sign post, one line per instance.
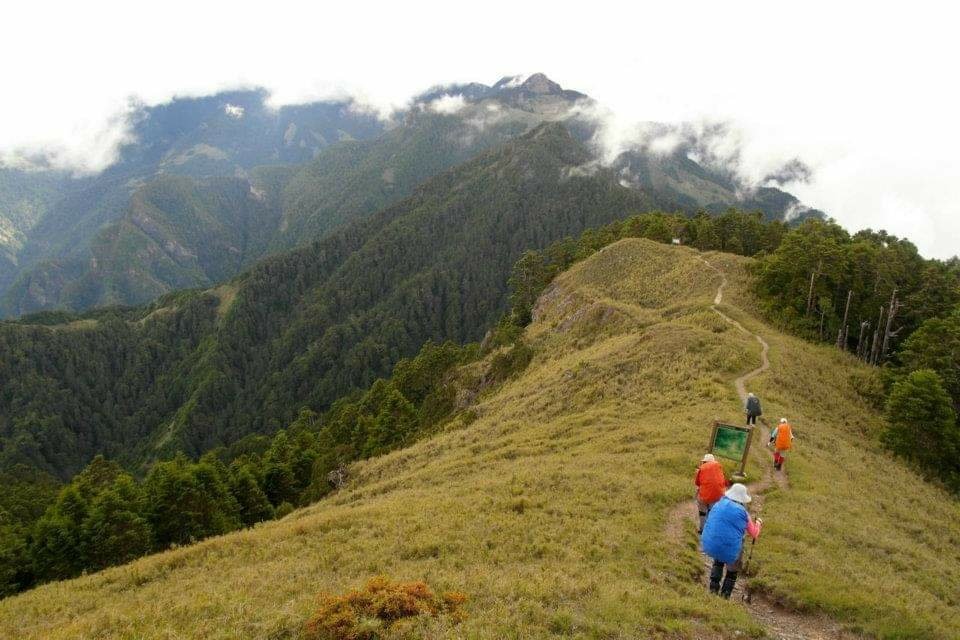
(731, 442)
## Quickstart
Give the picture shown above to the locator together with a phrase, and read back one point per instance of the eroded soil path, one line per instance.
(780, 622)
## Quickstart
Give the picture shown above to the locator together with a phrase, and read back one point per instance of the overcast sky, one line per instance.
(867, 96)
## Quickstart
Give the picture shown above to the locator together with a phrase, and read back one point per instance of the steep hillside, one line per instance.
(151, 251)
(226, 134)
(177, 233)
(551, 501)
(25, 197)
(205, 368)
(311, 169)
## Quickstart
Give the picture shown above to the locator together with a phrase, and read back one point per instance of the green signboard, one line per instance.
(731, 442)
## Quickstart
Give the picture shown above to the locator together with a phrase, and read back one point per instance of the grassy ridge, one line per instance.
(549, 508)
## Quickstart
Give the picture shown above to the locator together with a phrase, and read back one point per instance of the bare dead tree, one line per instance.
(813, 278)
(861, 347)
(875, 345)
(888, 332)
(842, 331)
(338, 477)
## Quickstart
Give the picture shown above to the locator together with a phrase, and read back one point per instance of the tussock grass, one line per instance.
(548, 509)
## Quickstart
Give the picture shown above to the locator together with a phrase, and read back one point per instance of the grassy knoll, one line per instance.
(548, 509)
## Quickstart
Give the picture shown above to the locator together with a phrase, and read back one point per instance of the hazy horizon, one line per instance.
(864, 100)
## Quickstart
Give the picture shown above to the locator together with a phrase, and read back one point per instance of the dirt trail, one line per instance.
(780, 623)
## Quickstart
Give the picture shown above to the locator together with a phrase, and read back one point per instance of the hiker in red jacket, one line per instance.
(711, 484)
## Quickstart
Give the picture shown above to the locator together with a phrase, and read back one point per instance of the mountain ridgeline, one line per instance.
(209, 186)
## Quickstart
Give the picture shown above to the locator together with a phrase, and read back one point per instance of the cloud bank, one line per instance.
(864, 101)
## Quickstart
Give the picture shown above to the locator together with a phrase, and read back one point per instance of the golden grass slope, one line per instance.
(550, 508)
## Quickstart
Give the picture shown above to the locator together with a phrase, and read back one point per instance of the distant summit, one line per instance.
(535, 84)
(528, 92)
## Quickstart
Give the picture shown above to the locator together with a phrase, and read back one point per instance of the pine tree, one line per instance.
(923, 424)
(114, 532)
(253, 502)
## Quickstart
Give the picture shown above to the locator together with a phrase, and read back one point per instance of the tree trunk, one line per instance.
(861, 348)
(842, 331)
(813, 278)
(888, 332)
(875, 345)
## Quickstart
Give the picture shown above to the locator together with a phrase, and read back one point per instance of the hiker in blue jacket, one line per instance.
(722, 537)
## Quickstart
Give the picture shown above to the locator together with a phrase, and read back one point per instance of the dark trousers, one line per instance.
(724, 588)
(751, 419)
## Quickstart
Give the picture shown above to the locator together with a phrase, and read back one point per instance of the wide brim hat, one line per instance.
(708, 457)
(739, 493)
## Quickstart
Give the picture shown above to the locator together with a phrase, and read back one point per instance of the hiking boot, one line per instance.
(716, 572)
(729, 580)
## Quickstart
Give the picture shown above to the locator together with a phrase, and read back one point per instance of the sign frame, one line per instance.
(717, 426)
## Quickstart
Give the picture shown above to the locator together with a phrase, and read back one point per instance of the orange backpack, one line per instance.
(784, 437)
(711, 481)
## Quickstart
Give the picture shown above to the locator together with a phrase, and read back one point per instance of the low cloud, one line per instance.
(447, 104)
(792, 172)
(233, 110)
(84, 147)
(515, 81)
(718, 145)
(794, 211)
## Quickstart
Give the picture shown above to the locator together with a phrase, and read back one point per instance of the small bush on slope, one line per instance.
(380, 610)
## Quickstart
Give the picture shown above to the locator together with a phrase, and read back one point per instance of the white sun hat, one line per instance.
(708, 457)
(783, 421)
(739, 493)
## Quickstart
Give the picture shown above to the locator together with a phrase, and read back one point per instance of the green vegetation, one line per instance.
(181, 231)
(303, 329)
(183, 502)
(805, 284)
(547, 498)
(104, 517)
(71, 238)
(923, 425)
(872, 294)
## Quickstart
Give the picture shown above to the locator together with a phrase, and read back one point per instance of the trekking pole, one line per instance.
(745, 596)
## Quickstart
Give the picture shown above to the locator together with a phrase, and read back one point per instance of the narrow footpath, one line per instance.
(780, 623)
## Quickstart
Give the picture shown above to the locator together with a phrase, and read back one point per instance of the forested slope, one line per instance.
(179, 232)
(200, 369)
(49, 219)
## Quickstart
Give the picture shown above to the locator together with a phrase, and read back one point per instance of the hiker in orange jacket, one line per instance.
(711, 484)
(782, 439)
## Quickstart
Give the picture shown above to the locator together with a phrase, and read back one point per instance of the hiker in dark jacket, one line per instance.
(722, 538)
(753, 408)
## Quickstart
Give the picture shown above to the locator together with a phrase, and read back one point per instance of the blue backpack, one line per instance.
(723, 531)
